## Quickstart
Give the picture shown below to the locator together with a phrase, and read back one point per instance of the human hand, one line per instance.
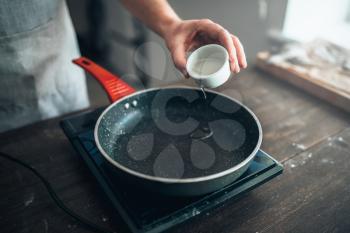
(187, 35)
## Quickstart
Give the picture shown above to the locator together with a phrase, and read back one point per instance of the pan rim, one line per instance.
(175, 180)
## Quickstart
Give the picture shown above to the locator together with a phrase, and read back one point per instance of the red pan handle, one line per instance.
(113, 85)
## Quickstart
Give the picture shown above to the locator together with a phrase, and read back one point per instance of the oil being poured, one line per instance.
(203, 131)
(204, 94)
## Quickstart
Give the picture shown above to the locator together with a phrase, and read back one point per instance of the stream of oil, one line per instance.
(203, 131)
(204, 94)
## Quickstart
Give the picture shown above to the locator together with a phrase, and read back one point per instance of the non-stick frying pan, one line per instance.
(150, 137)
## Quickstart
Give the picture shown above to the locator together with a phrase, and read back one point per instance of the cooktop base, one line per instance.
(150, 212)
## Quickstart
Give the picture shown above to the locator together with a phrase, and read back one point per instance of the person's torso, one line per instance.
(37, 78)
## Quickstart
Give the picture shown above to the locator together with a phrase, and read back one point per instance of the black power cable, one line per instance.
(83, 221)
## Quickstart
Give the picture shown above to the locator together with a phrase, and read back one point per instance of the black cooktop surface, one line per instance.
(151, 212)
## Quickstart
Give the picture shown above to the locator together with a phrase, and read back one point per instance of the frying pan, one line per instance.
(150, 137)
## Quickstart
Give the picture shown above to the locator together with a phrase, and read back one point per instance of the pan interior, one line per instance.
(150, 133)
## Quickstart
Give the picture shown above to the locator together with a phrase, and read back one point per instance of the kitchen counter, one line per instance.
(309, 137)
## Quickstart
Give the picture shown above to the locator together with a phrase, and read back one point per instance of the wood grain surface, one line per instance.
(336, 93)
(310, 137)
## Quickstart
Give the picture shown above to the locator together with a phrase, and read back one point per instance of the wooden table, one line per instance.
(311, 139)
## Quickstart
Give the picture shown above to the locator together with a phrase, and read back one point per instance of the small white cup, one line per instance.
(209, 65)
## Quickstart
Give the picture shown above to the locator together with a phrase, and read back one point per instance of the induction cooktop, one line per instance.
(150, 212)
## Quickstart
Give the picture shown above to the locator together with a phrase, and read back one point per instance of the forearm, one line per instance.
(156, 14)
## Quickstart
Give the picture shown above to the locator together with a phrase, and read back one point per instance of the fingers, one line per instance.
(226, 40)
(240, 52)
(179, 57)
(195, 33)
(230, 42)
(194, 45)
(217, 32)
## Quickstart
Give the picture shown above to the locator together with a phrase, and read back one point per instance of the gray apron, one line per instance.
(37, 79)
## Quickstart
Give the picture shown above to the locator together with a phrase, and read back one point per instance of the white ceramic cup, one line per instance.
(209, 65)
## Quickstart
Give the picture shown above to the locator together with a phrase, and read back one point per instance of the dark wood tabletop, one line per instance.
(310, 138)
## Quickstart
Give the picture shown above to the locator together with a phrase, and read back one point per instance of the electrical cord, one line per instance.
(83, 221)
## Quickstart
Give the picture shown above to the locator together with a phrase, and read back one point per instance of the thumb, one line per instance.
(179, 58)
